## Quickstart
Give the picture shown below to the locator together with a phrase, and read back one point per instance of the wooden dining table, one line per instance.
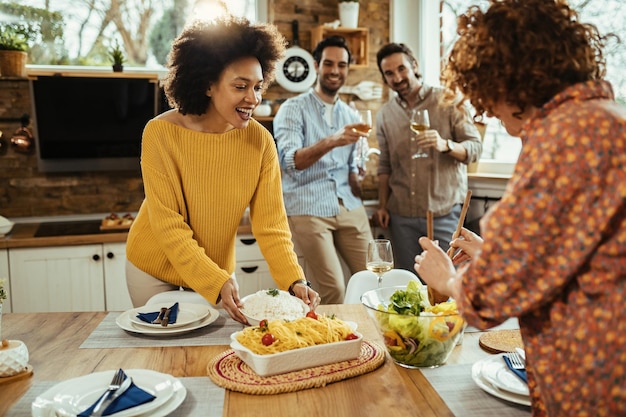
(54, 339)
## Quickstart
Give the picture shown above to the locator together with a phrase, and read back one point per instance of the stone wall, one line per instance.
(24, 191)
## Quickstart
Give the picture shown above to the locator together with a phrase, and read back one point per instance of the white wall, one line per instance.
(416, 23)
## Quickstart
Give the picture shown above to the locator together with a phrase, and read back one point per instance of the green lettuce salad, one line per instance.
(416, 333)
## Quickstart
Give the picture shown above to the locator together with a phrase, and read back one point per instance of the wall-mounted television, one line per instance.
(91, 120)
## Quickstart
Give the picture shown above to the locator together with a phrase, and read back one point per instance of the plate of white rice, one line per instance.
(272, 304)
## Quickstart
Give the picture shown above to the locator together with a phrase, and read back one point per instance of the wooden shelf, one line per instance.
(357, 39)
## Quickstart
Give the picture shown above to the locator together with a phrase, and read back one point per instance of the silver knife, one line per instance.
(125, 385)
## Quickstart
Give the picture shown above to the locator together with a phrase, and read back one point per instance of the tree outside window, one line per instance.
(608, 15)
(80, 32)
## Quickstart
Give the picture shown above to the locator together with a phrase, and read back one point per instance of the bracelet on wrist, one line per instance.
(300, 281)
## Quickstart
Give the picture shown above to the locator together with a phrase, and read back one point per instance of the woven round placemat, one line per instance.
(499, 341)
(230, 372)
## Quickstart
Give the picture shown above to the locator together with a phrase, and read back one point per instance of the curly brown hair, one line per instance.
(523, 52)
(204, 49)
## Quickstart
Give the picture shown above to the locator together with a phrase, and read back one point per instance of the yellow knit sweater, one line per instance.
(197, 187)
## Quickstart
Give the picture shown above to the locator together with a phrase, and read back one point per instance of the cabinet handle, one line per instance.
(96, 257)
(110, 255)
(248, 241)
(249, 269)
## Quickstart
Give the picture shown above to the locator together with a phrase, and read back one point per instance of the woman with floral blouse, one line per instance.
(554, 249)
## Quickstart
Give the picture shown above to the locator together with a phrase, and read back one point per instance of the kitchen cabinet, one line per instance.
(69, 278)
(251, 269)
(115, 291)
(356, 38)
(4, 274)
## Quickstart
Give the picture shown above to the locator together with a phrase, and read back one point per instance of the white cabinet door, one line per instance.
(115, 289)
(4, 274)
(253, 276)
(251, 269)
(63, 278)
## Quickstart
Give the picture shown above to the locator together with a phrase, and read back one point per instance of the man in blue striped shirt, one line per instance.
(316, 135)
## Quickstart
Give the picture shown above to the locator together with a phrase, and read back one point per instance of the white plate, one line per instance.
(180, 392)
(187, 314)
(68, 398)
(124, 322)
(493, 390)
(498, 374)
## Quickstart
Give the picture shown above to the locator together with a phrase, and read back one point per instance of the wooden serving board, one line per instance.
(28, 371)
(104, 227)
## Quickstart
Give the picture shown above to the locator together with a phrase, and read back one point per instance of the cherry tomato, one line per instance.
(263, 324)
(351, 336)
(267, 339)
(312, 314)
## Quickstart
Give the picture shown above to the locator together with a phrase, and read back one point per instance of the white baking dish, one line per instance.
(297, 359)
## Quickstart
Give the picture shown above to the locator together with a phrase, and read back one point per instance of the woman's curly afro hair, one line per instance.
(204, 49)
(523, 52)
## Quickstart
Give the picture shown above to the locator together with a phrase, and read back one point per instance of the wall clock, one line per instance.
(296, 71)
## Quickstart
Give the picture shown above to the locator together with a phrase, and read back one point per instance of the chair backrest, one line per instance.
(190, 297)
(365, 280)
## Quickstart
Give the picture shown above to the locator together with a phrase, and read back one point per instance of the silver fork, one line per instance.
(117, 380)
(516, 360)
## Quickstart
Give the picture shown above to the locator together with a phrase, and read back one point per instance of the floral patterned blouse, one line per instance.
(555, 255)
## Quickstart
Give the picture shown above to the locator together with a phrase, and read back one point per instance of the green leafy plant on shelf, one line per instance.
(14, 38)
(117, 57)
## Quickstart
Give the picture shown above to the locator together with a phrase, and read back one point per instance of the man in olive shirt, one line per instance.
(409, 187)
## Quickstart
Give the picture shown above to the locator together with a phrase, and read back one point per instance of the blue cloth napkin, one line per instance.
(150, 317)
(132, 397)
(521, 373)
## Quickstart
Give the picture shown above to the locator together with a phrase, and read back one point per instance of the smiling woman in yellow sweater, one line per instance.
(203, 163)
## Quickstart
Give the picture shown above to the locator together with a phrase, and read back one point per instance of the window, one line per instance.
(145, 29)
(498, 144)
(607, 15)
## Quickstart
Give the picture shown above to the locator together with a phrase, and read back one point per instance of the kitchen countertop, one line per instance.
(24, 235)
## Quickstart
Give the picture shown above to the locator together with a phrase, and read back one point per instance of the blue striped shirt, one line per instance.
(314, 191)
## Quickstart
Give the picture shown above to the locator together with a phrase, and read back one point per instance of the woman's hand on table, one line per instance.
(229, 295)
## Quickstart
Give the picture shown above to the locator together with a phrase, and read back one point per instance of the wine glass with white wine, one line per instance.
(379, 258)
(364, 127)
(419, 124)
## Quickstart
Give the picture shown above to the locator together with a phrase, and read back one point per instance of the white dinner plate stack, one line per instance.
(190, 317)
(493, 376)
(69, 398)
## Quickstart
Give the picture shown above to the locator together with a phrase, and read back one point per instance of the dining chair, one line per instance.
(180, 296)
(365, 280)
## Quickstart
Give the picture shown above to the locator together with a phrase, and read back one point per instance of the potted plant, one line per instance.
(13, 47)
(349, 13)
(117, 57)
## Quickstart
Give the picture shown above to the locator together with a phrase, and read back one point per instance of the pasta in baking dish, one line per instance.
(282, 335)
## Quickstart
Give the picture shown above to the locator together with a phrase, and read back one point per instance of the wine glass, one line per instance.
(364, 127)
(420, 123)
(379, 258)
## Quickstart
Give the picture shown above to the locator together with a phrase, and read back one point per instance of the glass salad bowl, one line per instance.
(415, 333)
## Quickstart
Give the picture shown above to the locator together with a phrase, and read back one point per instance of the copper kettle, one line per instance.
(22, 140)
